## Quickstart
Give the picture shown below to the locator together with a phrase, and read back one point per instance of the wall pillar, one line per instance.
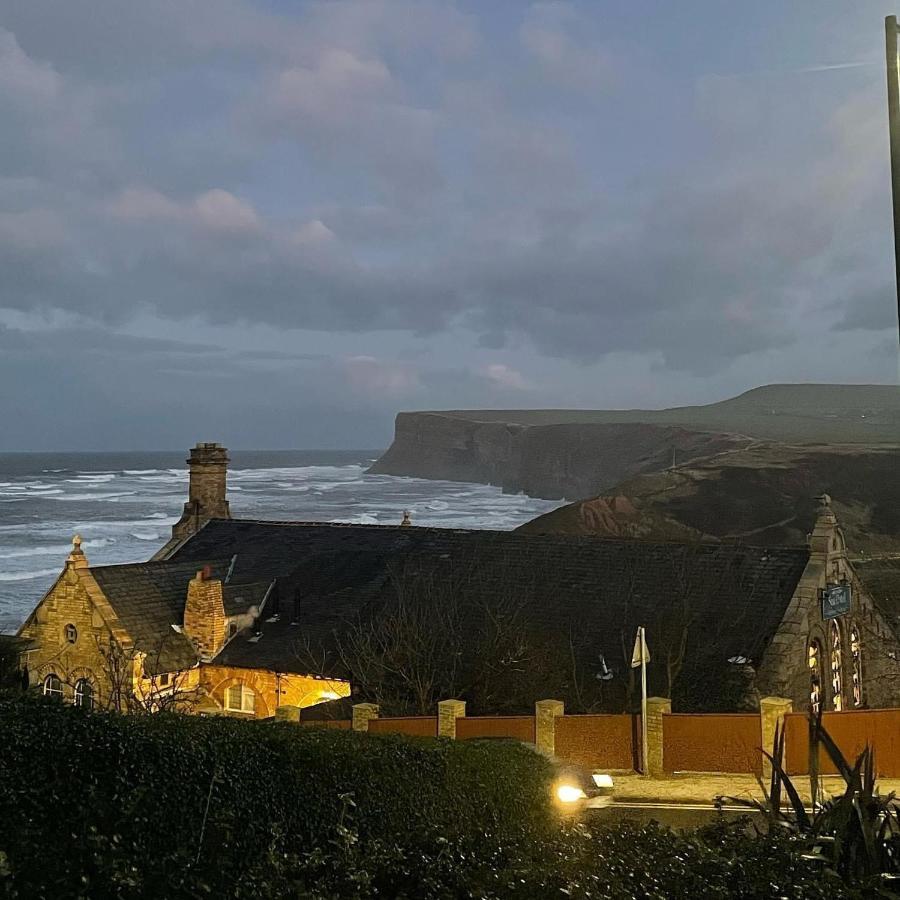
(288, 713)
(657, 707)
(362, 714)
(448, 712)
(771, 715)
(545, 713)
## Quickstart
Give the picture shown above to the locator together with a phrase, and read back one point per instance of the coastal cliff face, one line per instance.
(573, 454)
(763, 495)
(555, 461)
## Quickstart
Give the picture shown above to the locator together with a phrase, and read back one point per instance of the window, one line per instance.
(814, 661)
(84, 693)
(53, 687)
(837, 697)
(164, 679)
(239, 698)
(71, 633)
(856, 660)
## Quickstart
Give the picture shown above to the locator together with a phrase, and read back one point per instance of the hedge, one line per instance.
(97, 804)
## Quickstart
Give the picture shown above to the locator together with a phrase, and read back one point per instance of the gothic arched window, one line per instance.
(814, 661)
(837, 697)
(856, 660)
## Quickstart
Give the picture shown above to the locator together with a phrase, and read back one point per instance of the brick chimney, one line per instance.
(206, 495)
(204, 614)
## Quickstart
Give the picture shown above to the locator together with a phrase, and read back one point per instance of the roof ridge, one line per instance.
(514, 534)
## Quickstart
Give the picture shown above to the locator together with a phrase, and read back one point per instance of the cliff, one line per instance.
(570, 454)
(764, 494)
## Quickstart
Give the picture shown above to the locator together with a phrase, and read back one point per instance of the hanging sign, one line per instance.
(836, 600)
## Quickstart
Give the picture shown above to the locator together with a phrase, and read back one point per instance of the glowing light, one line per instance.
(569, 793)
(329, 695)
(601, 779)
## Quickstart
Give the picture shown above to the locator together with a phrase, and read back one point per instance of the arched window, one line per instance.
(856, 660)
(239, 698)
(52, 687)
(814, 661)
(84, 693)
(71, 633)
(837, 696)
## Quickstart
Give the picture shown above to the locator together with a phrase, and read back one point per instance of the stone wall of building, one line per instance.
(71, 632)
(869, 649)
(270, 689)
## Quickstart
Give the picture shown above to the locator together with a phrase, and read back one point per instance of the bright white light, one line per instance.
(569, 793)
(601, 779)
(329, 695)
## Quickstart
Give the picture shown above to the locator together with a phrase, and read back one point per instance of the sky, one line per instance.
(276, 224)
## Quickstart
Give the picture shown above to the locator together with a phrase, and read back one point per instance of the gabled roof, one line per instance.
(148, 598)
(328, 575)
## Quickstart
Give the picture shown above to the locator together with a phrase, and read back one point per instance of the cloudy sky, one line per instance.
(276, 224)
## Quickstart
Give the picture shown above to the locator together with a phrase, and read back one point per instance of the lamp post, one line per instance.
(893, 96)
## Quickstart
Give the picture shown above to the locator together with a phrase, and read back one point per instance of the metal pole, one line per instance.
(643, 699)
(893, 94)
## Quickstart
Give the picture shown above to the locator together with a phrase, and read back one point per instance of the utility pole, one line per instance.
(893, 95)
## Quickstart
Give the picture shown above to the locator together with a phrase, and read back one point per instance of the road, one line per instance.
(675, 815)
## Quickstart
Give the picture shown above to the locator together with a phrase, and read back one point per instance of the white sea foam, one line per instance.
(140, 471)
(71, 497)
(54, 549)
(145, 535)
(159, 515)
(98, 479)
(27, 576)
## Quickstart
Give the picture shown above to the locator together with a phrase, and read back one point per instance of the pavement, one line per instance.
(700, 789)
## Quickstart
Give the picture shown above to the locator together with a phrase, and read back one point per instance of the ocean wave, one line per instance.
(27, 576)
(364, 519)
(160, 515)
(141, 471)
(146, 535)
(437, 505)
(55, 549)
(70, 497)
(92, 479)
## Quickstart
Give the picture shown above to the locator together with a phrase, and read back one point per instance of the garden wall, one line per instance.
(712, 743)
(598, 742)
(851, 730)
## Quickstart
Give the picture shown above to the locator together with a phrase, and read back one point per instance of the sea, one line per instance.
(124, 504)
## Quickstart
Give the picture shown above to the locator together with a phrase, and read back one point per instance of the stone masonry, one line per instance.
(204, 615)
(206, 494)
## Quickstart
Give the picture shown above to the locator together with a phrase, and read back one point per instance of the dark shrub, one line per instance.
(95, 803)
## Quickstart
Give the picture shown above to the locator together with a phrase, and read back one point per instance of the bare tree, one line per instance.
(437, 630)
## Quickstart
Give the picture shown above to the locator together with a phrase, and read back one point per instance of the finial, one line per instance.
(406, 518)
(824, 501)
(77, 554)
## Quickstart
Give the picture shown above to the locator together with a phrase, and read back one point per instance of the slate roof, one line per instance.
(330, 574)
(880, 576)
(149, 598)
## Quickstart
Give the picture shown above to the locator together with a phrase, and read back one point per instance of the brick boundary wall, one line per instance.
(851, 730)
(418, 726)
(712, 743)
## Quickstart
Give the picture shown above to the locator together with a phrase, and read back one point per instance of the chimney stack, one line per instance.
(206, 495)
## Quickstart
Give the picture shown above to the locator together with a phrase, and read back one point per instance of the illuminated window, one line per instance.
(856, 659)
(814, 661)
(239, 698)
(837, 697)
(71, 634)
(84, 693)
(52, 687)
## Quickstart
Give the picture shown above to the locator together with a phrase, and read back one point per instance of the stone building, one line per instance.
(243, 616)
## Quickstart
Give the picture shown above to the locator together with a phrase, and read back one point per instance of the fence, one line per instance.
(712, 743)
(852, 730)
(677, 742)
